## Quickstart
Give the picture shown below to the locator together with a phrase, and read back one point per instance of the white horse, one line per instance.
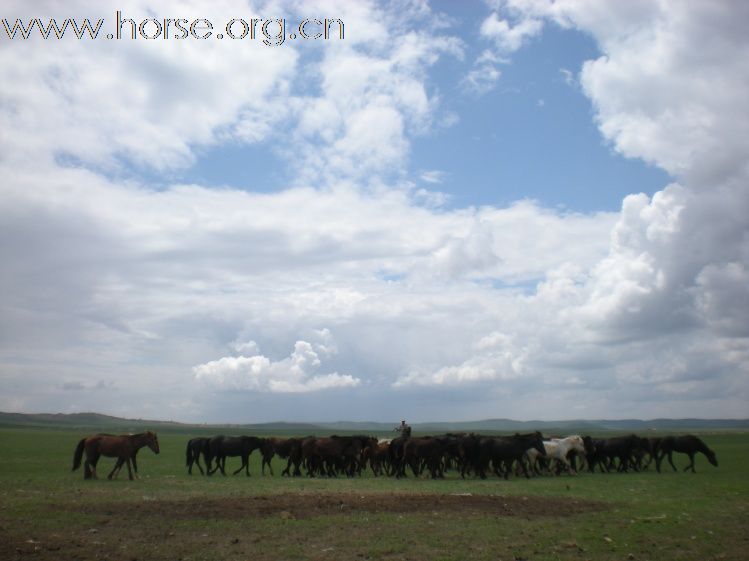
(557, 449)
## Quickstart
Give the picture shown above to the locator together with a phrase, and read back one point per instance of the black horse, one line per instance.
(219, 447)
(689, 445)
(196, 447)
(396, 456)
(503, 451)
(627, 449)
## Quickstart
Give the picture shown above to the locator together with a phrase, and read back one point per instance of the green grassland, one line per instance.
(49, 512)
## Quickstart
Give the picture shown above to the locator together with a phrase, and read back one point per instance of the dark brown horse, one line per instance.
(219, 447)
(502, 451)
(196, 447)
(123, 447)
(289, 449)
(425, 452)
(687, 444)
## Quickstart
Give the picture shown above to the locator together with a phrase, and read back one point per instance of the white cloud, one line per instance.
(433, 176)
(670, 80)
(508, 29)
(150, 102)
(484, 75)
(509, 37)
(655, 310)
(248, 347)
(625, 313)
(295, 374)
(498, 358)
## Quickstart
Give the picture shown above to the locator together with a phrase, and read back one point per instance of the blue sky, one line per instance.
(531, 137)
(462, 210)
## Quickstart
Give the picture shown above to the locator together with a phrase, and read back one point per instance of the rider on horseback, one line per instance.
(404, 429)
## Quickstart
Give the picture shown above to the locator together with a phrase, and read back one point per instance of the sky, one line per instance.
(525, 209)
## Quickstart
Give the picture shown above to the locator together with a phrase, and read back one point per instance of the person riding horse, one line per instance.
(404, 429)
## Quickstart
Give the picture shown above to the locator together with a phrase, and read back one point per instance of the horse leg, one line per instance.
(116, 468)
(93, 461)
(671, 460)
(564, 462)
(691, 462)
(244, 463)
(525, 470)
(87, 474)
(129, 470)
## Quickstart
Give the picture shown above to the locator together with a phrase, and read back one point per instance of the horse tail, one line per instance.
(188, 454)
(78, 454)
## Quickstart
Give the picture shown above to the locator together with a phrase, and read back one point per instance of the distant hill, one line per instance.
(99, 422)
(76, 420)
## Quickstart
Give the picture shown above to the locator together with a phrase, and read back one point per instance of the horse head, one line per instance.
(578, 444)
(711, 457)
(537, 442)
(152, 441)
(590, 447)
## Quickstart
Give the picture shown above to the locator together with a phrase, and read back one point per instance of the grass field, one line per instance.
(48, 512)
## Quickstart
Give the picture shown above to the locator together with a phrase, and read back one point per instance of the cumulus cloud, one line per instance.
(669, 82)
(669, 112)
(508, 36)
(296, 373)
(499, 359)
(373, 95)
(179, 286)
(654, 311)
(150, 102)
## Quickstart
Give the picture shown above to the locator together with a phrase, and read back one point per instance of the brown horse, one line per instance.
(123, 447)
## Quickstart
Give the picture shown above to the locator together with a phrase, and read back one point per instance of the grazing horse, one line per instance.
(219, 447)
(123, 447)
(689, 445)
(196, 447)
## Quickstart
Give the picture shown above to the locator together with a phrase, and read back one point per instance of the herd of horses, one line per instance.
(470, 455)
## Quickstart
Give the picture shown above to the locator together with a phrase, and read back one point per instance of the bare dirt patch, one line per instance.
(164, 529)
(308, 505)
